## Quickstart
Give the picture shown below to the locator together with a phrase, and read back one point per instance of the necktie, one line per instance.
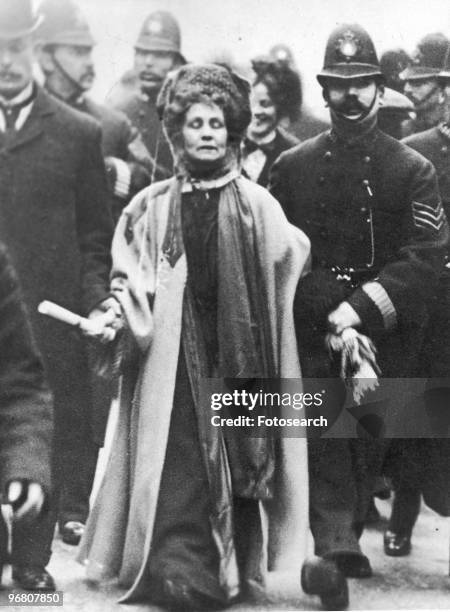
(11, 111)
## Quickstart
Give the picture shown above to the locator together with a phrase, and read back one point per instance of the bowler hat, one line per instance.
(17, 19)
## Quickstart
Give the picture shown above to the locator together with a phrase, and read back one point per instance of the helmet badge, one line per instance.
(348, 46)
(154, 27)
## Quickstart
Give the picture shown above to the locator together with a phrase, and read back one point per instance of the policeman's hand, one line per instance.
(26, 499)
(344, 316)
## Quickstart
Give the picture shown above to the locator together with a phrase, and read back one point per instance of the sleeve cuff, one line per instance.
(380, 297)
(370, 315)
(123, 179)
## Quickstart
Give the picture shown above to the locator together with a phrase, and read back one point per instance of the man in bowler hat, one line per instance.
(56, 223)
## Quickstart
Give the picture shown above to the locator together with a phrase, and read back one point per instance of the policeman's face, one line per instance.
(204, 133)
(153, 67)
(264, 112)
(16, 65)
(75, 62)
(351, 98)
(419, 91)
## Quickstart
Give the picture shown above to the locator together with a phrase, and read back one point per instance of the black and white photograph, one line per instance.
(224, 305)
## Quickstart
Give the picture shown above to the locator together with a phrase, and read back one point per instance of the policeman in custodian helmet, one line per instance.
(157, 52)
(365, 200)
(421, 79)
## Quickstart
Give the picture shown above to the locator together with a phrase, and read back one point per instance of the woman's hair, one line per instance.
(208, 83)
(283, 85)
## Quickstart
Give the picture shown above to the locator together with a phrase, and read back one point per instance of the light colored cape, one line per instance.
(118, 536)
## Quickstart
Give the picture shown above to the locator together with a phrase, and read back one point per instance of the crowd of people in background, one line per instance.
(207, 226)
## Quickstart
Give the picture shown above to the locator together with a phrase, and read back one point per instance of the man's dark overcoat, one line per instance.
(25, 402)
(55, 220)
(26, 423)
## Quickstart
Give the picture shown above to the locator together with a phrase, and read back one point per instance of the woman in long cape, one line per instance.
(205, 267)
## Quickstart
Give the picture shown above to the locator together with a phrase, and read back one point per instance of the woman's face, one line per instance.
(204, 133)
(264, 112)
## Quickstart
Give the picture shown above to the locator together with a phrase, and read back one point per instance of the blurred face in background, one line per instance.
(264, 112)
(205, 134)
(76, 63)
(422, 92)
(152, 68)
(16, 65)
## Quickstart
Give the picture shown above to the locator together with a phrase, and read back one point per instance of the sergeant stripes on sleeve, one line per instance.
(426, 216)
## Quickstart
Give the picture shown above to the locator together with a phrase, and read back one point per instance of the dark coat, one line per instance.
(434, 144)
(427, 461)
(25, 401)
(373, 210)
(55, 220)
(142, 113)
(282, 142)
(120, 140)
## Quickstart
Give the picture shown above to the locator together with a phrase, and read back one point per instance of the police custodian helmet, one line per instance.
(429, 58)
(64, 24)
(349, 54)
(160, 32)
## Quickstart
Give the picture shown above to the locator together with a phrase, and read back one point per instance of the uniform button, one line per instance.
(321, 180)
(327, 155)
(363, 209)
(367, 159)
(444, 149)
(365, 182)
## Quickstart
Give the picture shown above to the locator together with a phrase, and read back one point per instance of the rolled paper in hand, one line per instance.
(98, 326)
(58, 312)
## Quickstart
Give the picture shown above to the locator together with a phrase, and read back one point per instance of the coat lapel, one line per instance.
(33, 127)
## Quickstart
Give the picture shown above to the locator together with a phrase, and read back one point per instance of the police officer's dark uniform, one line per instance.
(159, 32)
(364, 201)
(127, 160)
(422, 466)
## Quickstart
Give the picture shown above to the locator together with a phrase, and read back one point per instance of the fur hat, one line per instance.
(194, 83)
